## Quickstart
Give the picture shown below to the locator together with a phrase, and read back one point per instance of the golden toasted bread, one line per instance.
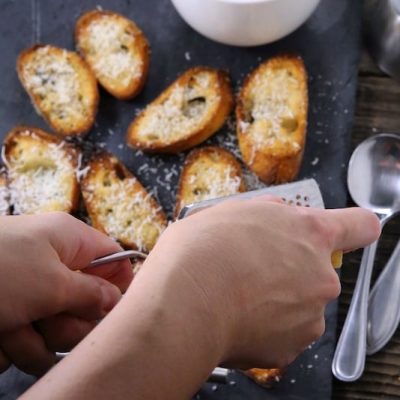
(271, 117)
(208, 173)
(41, 172)
(62, 87)
(116, 51)
(265, 377)
(4, 194)
(119, 205)
(188, 112)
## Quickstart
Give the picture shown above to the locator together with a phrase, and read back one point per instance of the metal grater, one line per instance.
(304, 193)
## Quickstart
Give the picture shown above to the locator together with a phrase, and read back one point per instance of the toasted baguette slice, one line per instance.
(4, 194)
(119, 205)
(272, 118)
(208, 173)
(41, 172)
(188, 112)
(265, 377)
(115, 49)
(62, 87)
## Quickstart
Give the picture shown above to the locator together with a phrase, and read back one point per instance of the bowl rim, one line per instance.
(244, 2)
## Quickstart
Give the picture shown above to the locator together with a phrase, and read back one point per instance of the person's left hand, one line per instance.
(45, 305)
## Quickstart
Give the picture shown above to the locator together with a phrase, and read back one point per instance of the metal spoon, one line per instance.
(374, 183)
(382, 34)
(384, 305)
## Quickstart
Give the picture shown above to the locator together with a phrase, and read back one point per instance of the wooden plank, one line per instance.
(378, 110)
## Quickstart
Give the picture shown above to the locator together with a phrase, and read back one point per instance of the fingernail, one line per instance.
(111, 296)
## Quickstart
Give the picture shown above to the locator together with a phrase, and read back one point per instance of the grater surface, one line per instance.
(304, 193)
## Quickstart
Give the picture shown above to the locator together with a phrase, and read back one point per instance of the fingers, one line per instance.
(89, 297)
(63, 332)
(4, 362)
(352, 228)
(119, 273)
(76, 243)
(27, 350)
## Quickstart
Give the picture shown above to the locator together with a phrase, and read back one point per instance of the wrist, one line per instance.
(181, 303)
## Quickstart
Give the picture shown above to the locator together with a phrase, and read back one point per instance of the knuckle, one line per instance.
(333, 286)
(58, 217)
(61, 283)
(323, 232)
(317, 329)
(48, 222)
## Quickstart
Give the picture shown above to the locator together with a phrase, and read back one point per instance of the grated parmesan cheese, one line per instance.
(181, 113)
(41, 179)
(51, 77)
(4, 197)
(108, 43)
(218, 180)
(272, 100)
(125, 210)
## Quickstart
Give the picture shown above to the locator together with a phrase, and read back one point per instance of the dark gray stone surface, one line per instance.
(329, 43)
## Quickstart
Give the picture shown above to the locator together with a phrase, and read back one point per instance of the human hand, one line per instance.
(242, 284)
(262, 272)
(38, 283)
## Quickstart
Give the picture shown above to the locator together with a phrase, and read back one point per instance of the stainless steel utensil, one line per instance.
(384, 305)
(302, 193)
(122, 255)
(374, 183)
(382, 33)
(384, 300)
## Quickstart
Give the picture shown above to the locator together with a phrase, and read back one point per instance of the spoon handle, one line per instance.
(349, 359)
(384, 305)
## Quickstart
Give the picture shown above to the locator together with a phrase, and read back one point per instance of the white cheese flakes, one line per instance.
(109, 43)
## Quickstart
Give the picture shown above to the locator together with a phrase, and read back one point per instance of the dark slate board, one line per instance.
(329, 43)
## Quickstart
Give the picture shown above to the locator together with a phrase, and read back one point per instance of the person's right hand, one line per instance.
(242, 284)
(263, 271)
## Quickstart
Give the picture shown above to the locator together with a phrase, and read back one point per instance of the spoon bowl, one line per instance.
(374, 183)
(374, 173)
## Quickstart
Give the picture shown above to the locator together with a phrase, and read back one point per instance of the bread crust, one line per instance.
(31, 151)
(214, 100)
(265, 377)
(205, 169)
(131, 41)
(272, 145)
(61, 86)
(119, 206)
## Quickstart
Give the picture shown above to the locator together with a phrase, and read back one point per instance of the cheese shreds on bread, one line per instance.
(115, 49)
(187, 113)
(272, 118)
(62, 88)
(209, 173)
(4, 194)
(41, 172)
(119, 205)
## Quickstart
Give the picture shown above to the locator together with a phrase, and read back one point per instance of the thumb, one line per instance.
(90, 297)
(352, 227)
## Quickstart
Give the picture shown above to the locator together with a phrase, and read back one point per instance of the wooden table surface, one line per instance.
(377, 110)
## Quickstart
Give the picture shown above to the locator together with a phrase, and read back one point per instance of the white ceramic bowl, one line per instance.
(245, 22)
